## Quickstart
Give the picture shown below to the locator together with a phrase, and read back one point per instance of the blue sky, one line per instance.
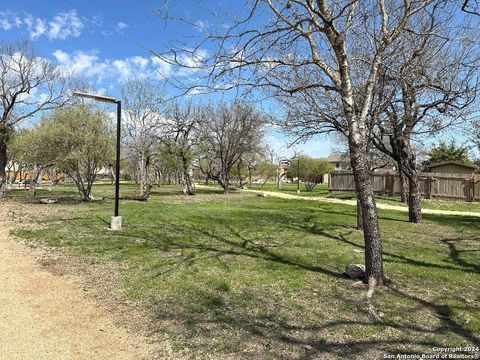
(106, 42)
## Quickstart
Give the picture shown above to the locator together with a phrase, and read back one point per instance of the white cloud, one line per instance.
(89, 64)
(121, 25)
(35, 27)
(140, 61)
(162, 68)
(62, 26)
(201, 25)
(191, 63)
(65, 25)
(78, 63)
(5, 24)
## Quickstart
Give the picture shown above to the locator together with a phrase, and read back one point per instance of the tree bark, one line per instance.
(409, 168)
(144, 188)
(187, 180)
(410, 184)
(240, 178)
(414, 205)
(32, 189)
(403, 187)
(359, 215)
(371, 229)
(3, 164)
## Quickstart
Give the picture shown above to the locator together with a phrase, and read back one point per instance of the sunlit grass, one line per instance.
(224, 275)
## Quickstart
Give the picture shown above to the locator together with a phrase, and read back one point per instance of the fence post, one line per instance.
(471, 189)
(429, 187)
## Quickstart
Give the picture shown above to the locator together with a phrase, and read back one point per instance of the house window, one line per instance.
(337, 165)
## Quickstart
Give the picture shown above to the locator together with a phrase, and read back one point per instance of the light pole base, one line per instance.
(116, 223)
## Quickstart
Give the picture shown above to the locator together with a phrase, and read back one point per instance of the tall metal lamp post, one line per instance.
(116, 222)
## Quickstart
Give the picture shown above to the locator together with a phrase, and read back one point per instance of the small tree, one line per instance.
(265, 170)
(448, 152)
(309, 170)
(32, 149)
(227, 132)
(143, 104)
(179, 141)
(23, 72)
(80, 137)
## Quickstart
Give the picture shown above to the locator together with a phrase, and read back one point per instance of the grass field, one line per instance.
(242, 276)
(322, 190)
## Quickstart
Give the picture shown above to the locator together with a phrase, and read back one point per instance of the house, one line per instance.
(451, 167)
(339, 161)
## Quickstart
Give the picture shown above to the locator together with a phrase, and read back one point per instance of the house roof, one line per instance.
(452, 163)
(337, 158)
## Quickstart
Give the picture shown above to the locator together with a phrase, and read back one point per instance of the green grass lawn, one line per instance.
(322, 190)
(242, 276)
(319, 190)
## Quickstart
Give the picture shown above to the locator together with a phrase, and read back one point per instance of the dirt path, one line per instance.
(43, 316)
(354, 203)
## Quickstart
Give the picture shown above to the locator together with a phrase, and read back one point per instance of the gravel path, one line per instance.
(354, 203)
(44, 316)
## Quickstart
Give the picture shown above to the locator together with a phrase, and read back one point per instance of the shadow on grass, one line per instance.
(454, 254)
(251, 317)
(216, 313)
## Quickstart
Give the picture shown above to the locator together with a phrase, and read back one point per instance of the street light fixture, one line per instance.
(116, 222)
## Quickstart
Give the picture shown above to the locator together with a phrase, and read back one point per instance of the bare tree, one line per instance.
(307, 53)
(143, 107)
(430, 86)
(179, 141)
(471, 7)
(227, 133)
(28, 84)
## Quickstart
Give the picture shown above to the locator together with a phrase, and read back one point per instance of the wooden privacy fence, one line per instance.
(432, 185)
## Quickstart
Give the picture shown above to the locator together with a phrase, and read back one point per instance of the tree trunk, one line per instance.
(3, 164)
(240, 178)
(32, 190)
(409, 168)
(414, 205)
(144, 188)
(87, 192)
(187, 180)
(359, 215)
(403, 187)
(371, 229)
(225, 184)
(112, 173)
(279, 180)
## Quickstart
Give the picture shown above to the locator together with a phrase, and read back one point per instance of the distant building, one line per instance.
(451, 167)
(339, 161)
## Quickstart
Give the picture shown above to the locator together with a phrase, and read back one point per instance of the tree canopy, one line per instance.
(309, 170)
(81, 137)
(448, 152)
